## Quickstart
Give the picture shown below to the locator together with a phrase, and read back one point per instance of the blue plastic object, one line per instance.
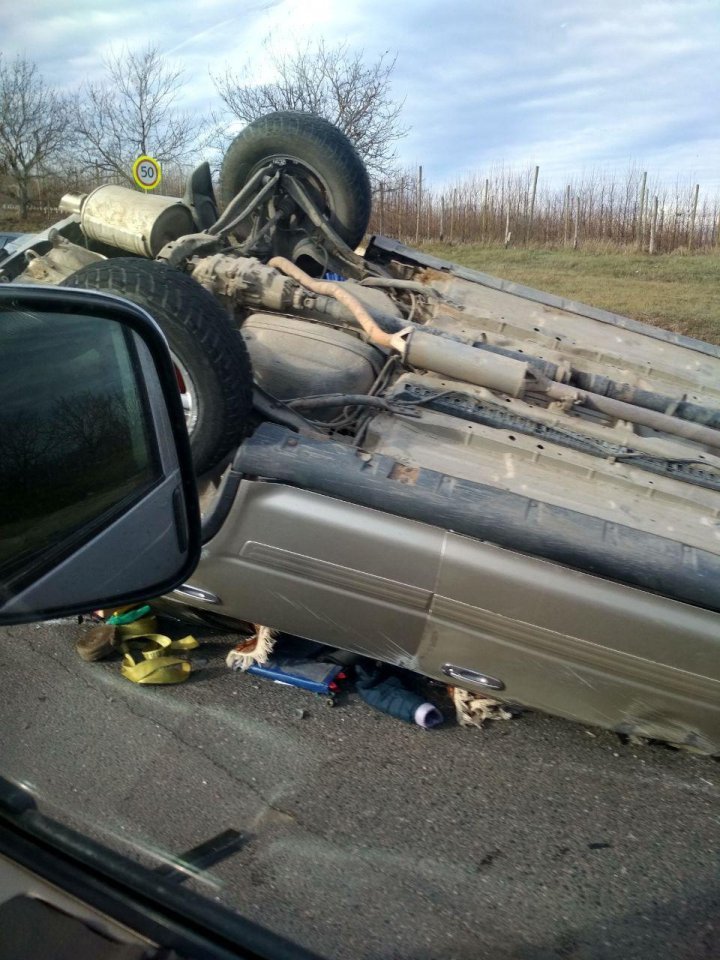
(313, 675)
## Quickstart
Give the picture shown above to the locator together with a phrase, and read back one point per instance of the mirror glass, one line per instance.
(76, 440)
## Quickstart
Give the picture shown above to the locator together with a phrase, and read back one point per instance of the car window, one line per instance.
(73, 433)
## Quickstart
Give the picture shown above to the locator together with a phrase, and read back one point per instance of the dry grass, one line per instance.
(10, 222)
(678, 291)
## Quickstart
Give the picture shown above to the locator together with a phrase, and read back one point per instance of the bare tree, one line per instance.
(132, 111)
(28, 447)
(83, 423)
(33, 125)
(332, 82)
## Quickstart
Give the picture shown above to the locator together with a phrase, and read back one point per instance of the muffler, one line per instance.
(133, 221)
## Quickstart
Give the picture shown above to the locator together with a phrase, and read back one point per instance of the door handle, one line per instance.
(463, 675)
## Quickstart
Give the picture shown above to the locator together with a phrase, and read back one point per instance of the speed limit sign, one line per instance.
(146, 172)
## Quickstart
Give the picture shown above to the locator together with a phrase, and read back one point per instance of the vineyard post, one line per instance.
(577, 222)
(693, 214)
(640, 225)
(566, 233)
(401, 207)
(653, 225)
(419, 205)
(661, 220)
(528, 227)
(485, 209)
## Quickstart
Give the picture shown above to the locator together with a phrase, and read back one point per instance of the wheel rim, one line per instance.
(188, 394)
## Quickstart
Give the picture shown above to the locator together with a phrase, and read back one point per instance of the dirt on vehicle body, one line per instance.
(427, 465)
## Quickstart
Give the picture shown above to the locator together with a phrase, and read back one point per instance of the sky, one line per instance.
(571, 85)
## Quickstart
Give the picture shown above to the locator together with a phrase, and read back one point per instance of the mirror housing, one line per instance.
(98, 503)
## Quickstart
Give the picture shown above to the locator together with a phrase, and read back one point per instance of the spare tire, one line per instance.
(210, 357)
(322, 156)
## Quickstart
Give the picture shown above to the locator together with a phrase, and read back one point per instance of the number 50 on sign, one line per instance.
(146, 172)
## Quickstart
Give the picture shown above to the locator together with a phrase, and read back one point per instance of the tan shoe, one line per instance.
(97, 643)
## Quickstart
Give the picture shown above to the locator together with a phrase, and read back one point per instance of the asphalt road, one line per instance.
(533, 839)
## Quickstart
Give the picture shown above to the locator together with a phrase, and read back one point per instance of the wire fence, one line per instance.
(513, 208)
(507, 206)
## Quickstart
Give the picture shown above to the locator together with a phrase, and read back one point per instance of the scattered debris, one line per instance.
(473, 709)
(127, 615)
(97, 643)
(316, 676)
(148, 656)
(255, 650)
(148, 659)
(384, 689)
(317, 668)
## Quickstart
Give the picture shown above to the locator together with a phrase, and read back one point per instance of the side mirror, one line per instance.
(98, 504)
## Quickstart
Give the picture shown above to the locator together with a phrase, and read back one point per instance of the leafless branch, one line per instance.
(332, 82)
(132, 111)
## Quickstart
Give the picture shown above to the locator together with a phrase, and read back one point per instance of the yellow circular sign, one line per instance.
(146, 172)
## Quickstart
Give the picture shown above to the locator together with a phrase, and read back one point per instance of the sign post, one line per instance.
(146, 173)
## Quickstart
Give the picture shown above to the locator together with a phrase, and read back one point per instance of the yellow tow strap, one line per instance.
(146, 654)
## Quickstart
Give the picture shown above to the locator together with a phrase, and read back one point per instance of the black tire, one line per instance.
(201, 340)
(316, 145)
